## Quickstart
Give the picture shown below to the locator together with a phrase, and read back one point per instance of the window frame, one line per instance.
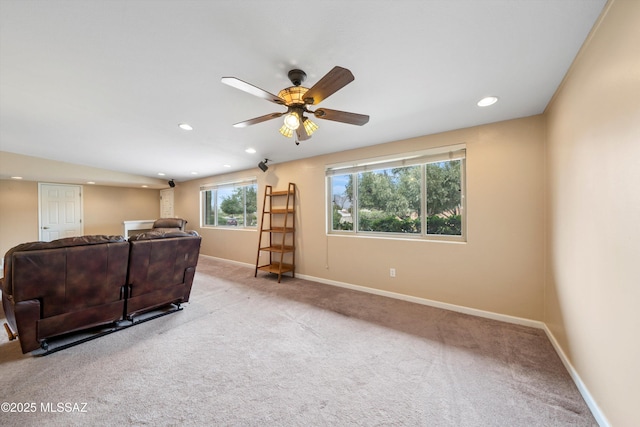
(421, 158)
(212, 190)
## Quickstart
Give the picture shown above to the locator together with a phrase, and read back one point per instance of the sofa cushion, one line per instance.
(164, 223)
(7, 285)
(162, 234)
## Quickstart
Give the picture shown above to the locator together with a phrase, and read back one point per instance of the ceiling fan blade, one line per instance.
(332, 82)
(341, 116)
(253, 90)
(257, 120)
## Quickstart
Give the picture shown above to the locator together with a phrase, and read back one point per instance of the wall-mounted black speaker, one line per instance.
(171, 184)
(263, 165)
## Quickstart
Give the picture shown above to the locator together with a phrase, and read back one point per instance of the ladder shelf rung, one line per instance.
(279, 211)
(276, 268)
(279, 230)
(279, 193)
(278, 248)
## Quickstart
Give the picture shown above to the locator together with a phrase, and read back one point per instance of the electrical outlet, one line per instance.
(392, 272)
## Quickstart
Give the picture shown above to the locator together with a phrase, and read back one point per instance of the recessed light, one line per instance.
(161, 173)
(250, 150)
(91, 182)
(194, 173)
(16, 177)
(185, 126)
(486, 101)
(227, 166)
(145, 186)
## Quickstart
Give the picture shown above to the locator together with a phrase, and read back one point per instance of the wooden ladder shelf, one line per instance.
(278, 224)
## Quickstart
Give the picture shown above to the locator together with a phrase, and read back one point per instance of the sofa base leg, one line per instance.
(154, 314)
(53, 345)
(10, 333)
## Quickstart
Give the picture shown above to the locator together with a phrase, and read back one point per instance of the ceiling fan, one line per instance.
(296, 98)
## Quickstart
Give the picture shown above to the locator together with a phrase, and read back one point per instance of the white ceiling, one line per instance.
(105, 83)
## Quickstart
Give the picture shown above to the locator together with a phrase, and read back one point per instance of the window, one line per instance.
(420, 195)
(230, 204)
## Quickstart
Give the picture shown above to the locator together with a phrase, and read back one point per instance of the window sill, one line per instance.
(400, 236)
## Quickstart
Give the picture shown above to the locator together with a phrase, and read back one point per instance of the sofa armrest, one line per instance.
(27, 314)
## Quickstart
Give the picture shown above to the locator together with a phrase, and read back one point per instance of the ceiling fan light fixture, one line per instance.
(293, 95)
(292, 121)
(284, 130)
(309, 126)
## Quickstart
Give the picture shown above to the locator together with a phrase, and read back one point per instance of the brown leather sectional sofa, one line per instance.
(54, 288)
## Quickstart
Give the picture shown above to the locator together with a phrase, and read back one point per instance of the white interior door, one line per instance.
(166, 203)
(60, 211)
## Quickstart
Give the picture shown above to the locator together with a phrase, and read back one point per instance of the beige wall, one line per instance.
(593, 161)
(104, 208)
(18, 213)
(499, 269)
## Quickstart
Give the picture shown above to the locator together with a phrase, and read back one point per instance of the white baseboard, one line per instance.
(229, 261)
(431, 303)
(591, 403)
(582, 388)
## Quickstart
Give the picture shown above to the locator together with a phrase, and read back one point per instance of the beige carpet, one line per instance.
(252, 352)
